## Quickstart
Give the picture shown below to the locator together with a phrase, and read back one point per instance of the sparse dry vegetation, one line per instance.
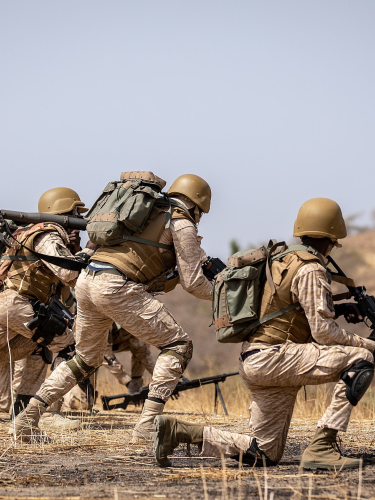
(100, 462)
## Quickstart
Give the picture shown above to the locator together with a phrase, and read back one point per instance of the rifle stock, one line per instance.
(184, 385)
(65, 221)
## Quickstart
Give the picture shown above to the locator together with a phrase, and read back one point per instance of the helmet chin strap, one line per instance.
(197, 214)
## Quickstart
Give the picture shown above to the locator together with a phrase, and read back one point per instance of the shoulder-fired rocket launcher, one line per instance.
(34, 218)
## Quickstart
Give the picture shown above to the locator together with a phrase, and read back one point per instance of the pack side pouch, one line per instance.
(136, 210)
(104, 227)
(101, 201)
(240, 290)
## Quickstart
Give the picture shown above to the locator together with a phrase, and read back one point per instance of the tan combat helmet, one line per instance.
(195, 188)
(60, 201)
(320, 218)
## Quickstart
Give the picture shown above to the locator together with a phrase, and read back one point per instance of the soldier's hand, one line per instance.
(74, 244)
(350, 311)
(91, 245)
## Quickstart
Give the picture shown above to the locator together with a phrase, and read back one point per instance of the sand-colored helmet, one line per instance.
(60, 201)
(195, 188)
(320, 218)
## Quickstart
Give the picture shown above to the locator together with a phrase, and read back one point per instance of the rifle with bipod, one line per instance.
(183, 385)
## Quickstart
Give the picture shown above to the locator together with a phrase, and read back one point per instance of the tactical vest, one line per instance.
(292, 325)
(31, 277)
(142, 262)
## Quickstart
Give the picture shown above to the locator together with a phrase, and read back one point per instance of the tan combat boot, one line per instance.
(53, 420)
(321, 454)
(25, 425)
(144, 427)
(169, 433)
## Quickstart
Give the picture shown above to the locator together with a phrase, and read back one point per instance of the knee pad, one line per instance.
(183, 352)
(79, 368)
(359, 380)
(254, 456)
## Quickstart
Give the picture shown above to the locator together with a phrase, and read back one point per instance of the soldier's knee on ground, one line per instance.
(358, 379)
(79, 368)
(183, 351)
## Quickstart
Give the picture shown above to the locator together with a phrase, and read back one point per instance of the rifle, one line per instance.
(366, 303)
(34, 218)
(183, 385)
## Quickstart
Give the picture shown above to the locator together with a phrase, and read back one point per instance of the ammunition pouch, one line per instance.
(183, 352)
(46, 324)
(357, 383)
(79, 368)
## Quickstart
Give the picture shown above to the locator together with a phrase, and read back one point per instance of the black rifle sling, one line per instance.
(70, 264)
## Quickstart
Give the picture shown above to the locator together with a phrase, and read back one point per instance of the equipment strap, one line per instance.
(224, 322)
(148, 242)
(70, 264)
(268, 267)
(278, 313)
(19, 257)
(343, 280)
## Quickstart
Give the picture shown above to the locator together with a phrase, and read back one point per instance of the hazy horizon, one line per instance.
(271, 102)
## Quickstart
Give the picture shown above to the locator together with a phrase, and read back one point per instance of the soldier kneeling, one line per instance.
(304, 346)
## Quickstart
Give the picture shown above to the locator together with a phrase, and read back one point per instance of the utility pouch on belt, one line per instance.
(48, 322)
(238, 288)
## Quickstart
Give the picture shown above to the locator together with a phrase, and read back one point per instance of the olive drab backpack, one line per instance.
(123, 208)
(237, 292)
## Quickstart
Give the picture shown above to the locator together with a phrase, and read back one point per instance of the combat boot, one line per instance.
(321, 453)
(169, 433)
(25, 425)
(144, 427)
(53, 420)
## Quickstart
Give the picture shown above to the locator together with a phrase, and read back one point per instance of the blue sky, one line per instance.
(272, 102)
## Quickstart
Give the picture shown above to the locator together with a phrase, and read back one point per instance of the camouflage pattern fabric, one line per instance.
(129, 305)
(5, 392)
(106, 298)
(141, 360)
(16, 311)
(276, 373)
(27, 376)
(218, 443)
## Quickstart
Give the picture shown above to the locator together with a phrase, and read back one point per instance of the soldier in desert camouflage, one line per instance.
(304, 346)
(115, 288)
(26, 277)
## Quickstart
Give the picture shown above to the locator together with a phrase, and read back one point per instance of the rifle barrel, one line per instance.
(181, 386)
(36, 217)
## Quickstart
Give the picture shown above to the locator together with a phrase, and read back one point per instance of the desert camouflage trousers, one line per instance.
(274, 377)
(15, 313)
(141, 359)
(105, 298)
(27, 376)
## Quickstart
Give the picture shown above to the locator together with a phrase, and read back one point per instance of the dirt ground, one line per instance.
(100, 462)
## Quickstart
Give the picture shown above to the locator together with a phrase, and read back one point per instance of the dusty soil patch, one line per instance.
(99, 462)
